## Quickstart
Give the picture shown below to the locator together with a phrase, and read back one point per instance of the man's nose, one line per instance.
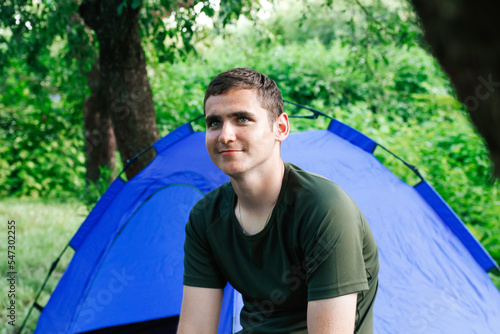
(227, 133)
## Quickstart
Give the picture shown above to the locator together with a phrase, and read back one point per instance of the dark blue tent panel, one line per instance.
(128, 261)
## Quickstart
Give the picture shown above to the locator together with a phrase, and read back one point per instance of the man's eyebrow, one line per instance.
(241, 114)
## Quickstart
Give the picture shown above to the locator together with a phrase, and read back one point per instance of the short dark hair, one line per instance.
(268, 92)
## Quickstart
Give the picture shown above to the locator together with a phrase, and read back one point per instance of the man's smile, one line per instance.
(229, 152)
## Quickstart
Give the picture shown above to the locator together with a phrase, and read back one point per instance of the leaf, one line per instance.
(386, 61)
(120, 8)
(136, 4)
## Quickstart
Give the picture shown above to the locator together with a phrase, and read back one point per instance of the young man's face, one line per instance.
(239, 137)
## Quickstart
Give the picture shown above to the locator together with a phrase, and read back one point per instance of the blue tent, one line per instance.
(126, 273)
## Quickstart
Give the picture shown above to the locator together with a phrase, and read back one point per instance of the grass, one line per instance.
(42, 230)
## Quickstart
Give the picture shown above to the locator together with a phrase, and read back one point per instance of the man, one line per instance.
(292, 243)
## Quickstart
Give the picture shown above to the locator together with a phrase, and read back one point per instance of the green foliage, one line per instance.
(42, 150)
(45, 52)
(173, 27)
(366, 24)
(30, 28)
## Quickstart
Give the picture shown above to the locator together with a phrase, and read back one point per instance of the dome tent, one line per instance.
(126, 272)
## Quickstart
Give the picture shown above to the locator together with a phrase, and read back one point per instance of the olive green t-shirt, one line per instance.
(316, 245)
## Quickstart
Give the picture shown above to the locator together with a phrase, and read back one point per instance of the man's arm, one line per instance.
(333, 315)
(200, 310)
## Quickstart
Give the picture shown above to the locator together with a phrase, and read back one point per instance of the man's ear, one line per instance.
(282, 127)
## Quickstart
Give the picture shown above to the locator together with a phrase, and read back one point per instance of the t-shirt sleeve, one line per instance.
(333, 247)
(200, 267)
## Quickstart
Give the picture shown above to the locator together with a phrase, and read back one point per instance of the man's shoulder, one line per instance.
(314, 196)
(308, 185)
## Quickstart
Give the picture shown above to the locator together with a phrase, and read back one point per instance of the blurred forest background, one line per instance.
(362, 62)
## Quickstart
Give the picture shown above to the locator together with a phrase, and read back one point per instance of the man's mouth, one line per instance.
(228, 152)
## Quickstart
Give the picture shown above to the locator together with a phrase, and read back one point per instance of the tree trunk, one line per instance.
(465, 40)
(100, 143)
(123, 79)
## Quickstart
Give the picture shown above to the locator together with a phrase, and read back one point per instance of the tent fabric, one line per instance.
(353, 136)
(128, 261)
(96, 213)
(450, 218)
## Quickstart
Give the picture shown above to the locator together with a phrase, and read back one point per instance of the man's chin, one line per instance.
(232, 171)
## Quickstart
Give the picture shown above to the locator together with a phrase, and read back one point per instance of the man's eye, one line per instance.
(213, 124)
(243, 119)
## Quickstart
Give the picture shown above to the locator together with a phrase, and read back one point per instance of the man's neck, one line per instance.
(258, 191)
